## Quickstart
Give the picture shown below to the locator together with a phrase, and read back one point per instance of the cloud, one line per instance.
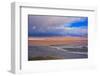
(40, 21)
(75, 31)
(57, 26)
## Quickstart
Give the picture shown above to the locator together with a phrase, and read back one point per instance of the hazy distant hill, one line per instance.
(44, 41)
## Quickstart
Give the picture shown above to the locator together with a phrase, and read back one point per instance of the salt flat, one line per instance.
(39, 51)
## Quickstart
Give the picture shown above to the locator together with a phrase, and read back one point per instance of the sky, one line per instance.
(51, 26)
